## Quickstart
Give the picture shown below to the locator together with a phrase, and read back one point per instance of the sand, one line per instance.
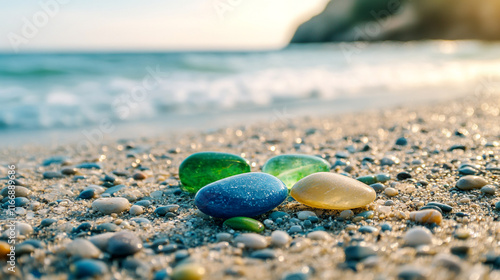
(363, 138)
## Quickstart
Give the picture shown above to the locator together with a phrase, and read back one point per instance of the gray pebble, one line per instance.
(265, 254)
(52, 175)
(358, 253)
(124, 243)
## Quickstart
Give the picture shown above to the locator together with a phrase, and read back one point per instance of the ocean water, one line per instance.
(49, 92)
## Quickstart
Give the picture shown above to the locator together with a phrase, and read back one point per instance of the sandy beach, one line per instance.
(437, 145)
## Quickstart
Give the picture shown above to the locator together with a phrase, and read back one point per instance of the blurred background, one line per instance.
(68, 67)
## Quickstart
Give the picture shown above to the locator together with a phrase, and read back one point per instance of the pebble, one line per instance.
(264, 254)
(201, 169)
(378, 187)
(84, 269)
(366, 214)
(368, 229)
(18, 191)
(332, 191)
(89, 165)
(403, 176)
(82, 248)
(412, 273)
(136, 210)
(471, 182)
(23, 229)
(163, 210)
(418, 236)
(295, 229)
(304, 215)
(55, 160)
(4, 250)
(111, 191)
(293, 167)
(444, 207)
(188, 271)
(47, 222)
(450, 262)
(101, 240)
(426, 216)
(123, 244)
(244, 195)
(488, 189)
(460, 251)
(319, 235)
(279, 238)
(244, 223)
(497, 205)
(401, 141)
(391, 192)
(358, 253)
(223, 236)
(69, 171)
(386, 227)
(111, 205)
(139, 176)
(251, 241)
(87, 194)
(346, 214)
(52, 175)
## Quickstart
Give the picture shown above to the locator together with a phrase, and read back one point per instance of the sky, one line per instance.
(69, 25)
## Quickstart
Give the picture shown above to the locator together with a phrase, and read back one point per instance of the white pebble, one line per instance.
(319, 235)
(251, 240)
(279, 238)
(418, 236)
(136, 210)
(303, 215)
(83, 248)
(111, 205)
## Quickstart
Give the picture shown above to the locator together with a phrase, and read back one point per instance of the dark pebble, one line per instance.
(139, 176)
(401, 141)
(461, 214)
(265, 254)
(497, 206)
(358, 253)
(378, 187)
(457, 147)
(468, 171)
(403, 176)
(123, 244)
(83, 227)
(278, 214)
(109, 178)
(35, 243)
(411, 273)
(296, 276)
(444, 207)
(428, 207)
(47, 222)
(161, 275)
(69, 171)
(181, 255)
(460, 251)
(87, 194)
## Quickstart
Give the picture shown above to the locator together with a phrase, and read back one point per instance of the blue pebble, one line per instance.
(87, 194)
(402, 141)
(114, 189)
(161, 275)
(54, 160)
(243, 195)
(385, 227)
(382, 177)
(18, 202)
(89, 269)
(367, 229)
(144, 203)
(89, 165)
(278, 214)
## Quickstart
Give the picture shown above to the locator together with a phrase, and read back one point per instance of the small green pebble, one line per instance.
(244, 223)
(382, 177)
(369, 179)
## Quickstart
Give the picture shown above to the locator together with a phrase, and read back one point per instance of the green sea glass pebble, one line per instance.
(372, 179)
(201, 169)
(244, 223)
(293, 167)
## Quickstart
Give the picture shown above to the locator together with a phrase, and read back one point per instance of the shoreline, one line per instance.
(445, 139)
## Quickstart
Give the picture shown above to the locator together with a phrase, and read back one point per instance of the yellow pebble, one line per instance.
(188, 271)
(332, 191)
(4, 250)
(426, 216)
(391, 192)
